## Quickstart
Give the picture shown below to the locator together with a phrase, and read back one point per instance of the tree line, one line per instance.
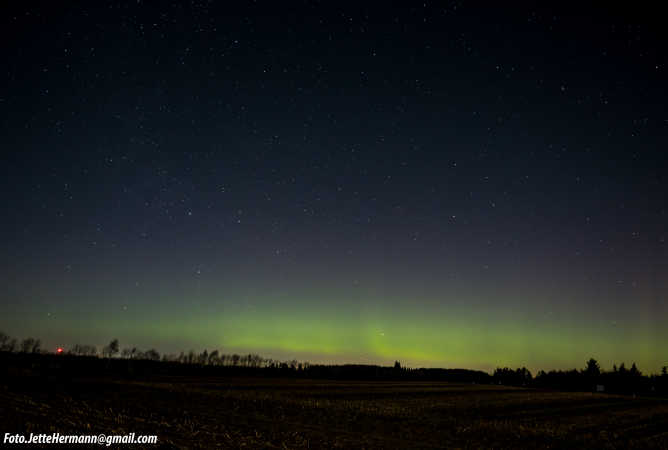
(114, 350)
(27, 345)
(591, 377)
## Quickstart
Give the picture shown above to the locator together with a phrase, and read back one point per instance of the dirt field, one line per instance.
(271, 413)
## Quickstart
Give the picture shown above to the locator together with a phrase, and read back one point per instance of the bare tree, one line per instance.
(111, 350)
(4, 341)
(7, 343)
(84, 350)
(90, 350)
(203, 357)
(28, 344)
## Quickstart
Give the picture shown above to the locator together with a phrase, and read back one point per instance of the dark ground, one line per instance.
(203, 412)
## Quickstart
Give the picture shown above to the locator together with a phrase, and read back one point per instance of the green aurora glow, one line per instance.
(453, 337)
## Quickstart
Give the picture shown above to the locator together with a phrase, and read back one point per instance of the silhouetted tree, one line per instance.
(30, 345)
(152, 355)
(214, 359)
(525, 375)
(114, 347)
(111, 349)
(26, 345)
(521, 376)
(593, 369)
(664, 370)
(203, 357)
(84, 350)
(255, 360)
(634, 370)
(397, 365)
(7, 343)
(4, 340)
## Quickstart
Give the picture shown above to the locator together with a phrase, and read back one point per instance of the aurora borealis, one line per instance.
(441, 184)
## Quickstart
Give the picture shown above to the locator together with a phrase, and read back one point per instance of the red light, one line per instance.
(59, 350)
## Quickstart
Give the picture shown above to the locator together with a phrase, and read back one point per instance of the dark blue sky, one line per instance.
(337, 182)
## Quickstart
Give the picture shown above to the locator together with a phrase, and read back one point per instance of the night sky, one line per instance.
(445, 184)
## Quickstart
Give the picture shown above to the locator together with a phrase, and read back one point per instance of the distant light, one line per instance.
(59, 350)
